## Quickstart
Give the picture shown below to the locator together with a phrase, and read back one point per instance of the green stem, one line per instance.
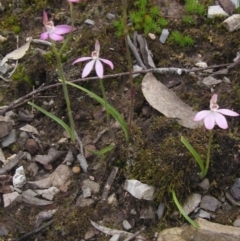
(108, 114)
(208, 154)
(70, 34)
(65, 91)
(129, 63)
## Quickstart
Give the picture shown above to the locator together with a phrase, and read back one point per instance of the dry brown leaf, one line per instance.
(166, 102)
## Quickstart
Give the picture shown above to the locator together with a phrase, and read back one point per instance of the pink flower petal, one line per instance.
(55, 37)
(99, 68)
(81, 59)
(87, 69)
(63, 29)
(45, 18)
(44, 36)
(108, 62)
(73, 1)
(209, 120)
(201, 115)
(221, 120)
(227, 112)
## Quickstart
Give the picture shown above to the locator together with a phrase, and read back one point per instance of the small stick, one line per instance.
(109, 183)
(134, 235)
(156, 70)
(35, 231)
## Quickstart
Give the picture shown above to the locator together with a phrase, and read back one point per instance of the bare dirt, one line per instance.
(154, 153)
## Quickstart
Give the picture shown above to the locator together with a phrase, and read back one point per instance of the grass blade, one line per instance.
(53, 117)
(193, 223)
(118, 117)
(194, 153)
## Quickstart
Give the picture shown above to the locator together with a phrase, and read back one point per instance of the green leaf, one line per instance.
(194, 153)
(102, 151)
(53, 117)
(193, 223)
(118, 117)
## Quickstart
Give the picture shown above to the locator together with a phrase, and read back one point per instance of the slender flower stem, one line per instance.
(108, 114)
(208, 153)
(65, 91)
(70, 35)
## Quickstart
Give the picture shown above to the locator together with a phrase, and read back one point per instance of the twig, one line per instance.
(39, 41)
(35, 231)
(109, 183)
(157, 70)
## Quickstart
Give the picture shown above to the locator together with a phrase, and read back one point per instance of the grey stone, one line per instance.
(235, 189)
(84, 202)
(3, 231)
(86, 192)
(5, 127)
(89, 21)
(208, 81)
(23, 138)
(10, 199)
(208, 231)
(126, 225)
(32, 169)
(236, 223)
(204, 184)
(9, 139)
(31, 146)
(110, 16)
(192, 202)
(209, 203)
(160, 210)
(93, 186)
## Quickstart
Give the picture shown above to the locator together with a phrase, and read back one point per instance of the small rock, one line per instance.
(236, 223)
(86, 192)
(160, 210)
(32, 169)
(84, 202)
(164, 36)
(89, 234)
(9, 139)
(209, 203)
(43, 183)
(152, 36)
(112, 199)
(19, 178)
(139, 190)
(110, 16)
(31, 146)
(34, 201)
(202, 214)
(215, 11)
(235, 189)
(232, 23)
(192, 202)
(126, 225)
(89, 21)
(76, 169)
(11, 198)
(208, 81)
(23, 138)
(93, 186)
(48, 193)
(204, 184)
(60, 176)
(5, 127)
(201, 64)
(29, 128)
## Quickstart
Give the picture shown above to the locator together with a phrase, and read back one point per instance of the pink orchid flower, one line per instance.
(214, 115)
(95, 60)
(73, 1)
(54, 32)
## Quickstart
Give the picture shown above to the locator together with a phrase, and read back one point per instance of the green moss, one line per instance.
(180, 39)
(21, 75)
(194, 7)
(16, 29)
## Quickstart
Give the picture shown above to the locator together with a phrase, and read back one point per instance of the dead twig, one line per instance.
(155, 70)
(109, 183)
(35, 231)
